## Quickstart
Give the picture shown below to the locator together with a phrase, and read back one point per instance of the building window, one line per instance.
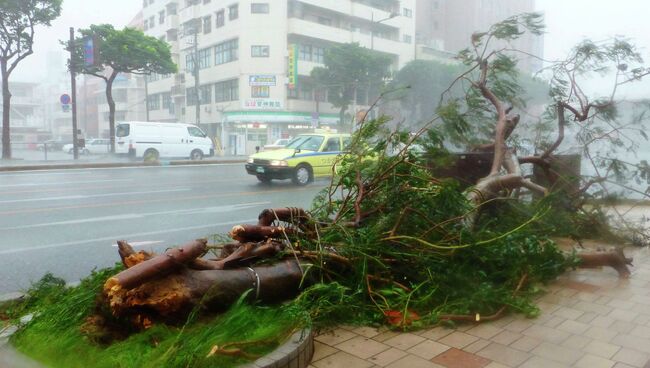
(306, 92)
(189, 63)
(151, 2)
(144, 3)
(190, 96)
(166, 100)
(435, 5)
(146, 24)
(407, 12)
(312, 53)
(221, 19)
(161, 17)
(206, 94)
(260, 51)
(172, 9)
(152, 21)
(207, 1)
(292, 93)
(325, 21)
(260, 8)
(207, 24)
(226, 52)
(233, 11)
(226, 91)
(407, 38)
(260, 91)
(153, 102)
(318, 55)
(305, 52)
(204, 58)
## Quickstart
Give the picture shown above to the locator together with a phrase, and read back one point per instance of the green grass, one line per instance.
(54, 337)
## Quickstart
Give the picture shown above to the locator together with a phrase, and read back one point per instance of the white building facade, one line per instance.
(255, 57)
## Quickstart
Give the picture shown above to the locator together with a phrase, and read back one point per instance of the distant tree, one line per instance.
(351, 69)
(18, 20)
(122, 51)
(418, 83)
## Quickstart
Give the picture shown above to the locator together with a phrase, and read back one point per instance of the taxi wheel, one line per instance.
(302, 175)
(264, 179)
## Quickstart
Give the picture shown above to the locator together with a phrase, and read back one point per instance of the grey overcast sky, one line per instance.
(568, 22)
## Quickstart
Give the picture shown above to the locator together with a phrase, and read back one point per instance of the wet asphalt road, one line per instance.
(67, 222)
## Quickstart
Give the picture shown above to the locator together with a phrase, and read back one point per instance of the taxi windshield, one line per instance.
(306, 142)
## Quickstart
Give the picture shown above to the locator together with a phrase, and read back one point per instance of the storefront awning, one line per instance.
(279, 117)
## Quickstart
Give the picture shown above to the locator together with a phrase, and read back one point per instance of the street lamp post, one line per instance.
(373, 22)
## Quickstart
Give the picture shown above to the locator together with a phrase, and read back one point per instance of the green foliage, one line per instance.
(419, 84)
(125, 51)
(54, 336)
(18, 21)
(349, 68)
(412, 251)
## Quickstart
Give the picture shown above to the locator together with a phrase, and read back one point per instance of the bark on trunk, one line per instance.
(615, 259)
(244, 255)
(292, 215)
(256, 233)
(6, 106)
(177, 294)
(156, 267)
(111, 109)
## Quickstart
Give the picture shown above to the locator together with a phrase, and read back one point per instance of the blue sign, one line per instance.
(89, 51)
(65, 99)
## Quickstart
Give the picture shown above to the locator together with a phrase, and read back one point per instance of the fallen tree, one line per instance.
(388, 240)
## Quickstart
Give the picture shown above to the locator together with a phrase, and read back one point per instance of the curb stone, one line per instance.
(100, 165)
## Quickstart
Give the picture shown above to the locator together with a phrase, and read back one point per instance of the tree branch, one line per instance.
(561, 123)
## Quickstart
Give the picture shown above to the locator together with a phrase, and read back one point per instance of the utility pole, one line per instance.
(73, 86)
(146, 96)
(196, 76)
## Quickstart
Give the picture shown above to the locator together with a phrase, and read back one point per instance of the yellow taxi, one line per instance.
(305, 157)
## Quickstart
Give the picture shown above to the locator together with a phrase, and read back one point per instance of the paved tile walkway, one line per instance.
(590, 319)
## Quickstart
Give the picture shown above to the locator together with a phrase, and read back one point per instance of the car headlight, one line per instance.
(250, 160)
(279, 163)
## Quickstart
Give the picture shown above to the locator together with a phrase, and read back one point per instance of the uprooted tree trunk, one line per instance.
(505, 173)
(168, 286)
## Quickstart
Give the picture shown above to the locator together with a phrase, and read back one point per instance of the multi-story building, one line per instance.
(449, 24)
(254, 59)
(26, 119)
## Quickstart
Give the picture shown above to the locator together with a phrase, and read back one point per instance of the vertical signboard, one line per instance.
(292, 66)
(89, 51)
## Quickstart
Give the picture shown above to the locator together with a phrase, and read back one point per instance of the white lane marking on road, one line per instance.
(29, 174)
(64, 182)
(129, 168)
(142, 243)
(132, 216)
(96, 195)
(122, 236)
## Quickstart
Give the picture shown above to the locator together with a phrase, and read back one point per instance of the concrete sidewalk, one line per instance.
(590, 319)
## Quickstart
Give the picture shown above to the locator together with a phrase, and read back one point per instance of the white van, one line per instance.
(162, 140)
